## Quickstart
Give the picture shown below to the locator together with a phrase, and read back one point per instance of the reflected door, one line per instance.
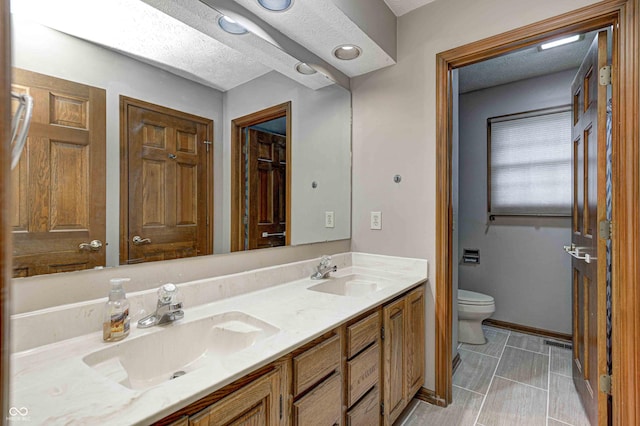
(58, 187)
(266, 201)
(588, 263)
(168, 178)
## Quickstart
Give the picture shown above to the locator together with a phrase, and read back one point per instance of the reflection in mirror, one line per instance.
(69, 179)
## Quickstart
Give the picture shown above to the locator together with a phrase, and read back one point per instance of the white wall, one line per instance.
(320, 150)
(394, 128)
(40, 49)
(522, 262)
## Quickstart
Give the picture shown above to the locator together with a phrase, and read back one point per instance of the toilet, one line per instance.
(473, 308)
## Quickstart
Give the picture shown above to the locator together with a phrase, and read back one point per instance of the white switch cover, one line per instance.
(376, 220)
(328, 220)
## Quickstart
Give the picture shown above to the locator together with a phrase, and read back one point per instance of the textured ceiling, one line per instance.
(523, 64)
(400, 7)
(320, 26)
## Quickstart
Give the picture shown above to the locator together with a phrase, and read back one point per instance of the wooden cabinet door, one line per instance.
(395, 318)
(415, 340)
(257, 404)
(58, 187)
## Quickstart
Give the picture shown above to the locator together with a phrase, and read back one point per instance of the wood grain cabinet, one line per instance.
(403, 348)
(362, 373)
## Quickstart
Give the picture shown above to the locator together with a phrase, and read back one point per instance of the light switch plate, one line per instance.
(329, 220)
(376, 220)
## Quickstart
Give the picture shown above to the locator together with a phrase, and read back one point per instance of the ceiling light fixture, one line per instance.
(276, 5)
(305, 69)
(346, 52)
(231, 26)
(560, 42)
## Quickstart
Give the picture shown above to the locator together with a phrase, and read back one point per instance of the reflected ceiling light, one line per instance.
(305, 69)
(560, 42)
(276, 5)
(231, 26)
(346, 52)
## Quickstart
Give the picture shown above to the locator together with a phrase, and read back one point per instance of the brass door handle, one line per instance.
(94, 245)
(139, 240)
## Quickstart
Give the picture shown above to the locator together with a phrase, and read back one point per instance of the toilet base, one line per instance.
(471, 332)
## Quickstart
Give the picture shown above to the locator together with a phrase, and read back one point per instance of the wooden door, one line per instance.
(58, 187)
(588, 263)
(267, 171)
(167, 207)
(395, 398)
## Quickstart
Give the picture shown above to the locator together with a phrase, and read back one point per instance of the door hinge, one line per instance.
(207, 144)
(606, 229)
(382, 333)
(605, 75)
(245, 220)
(382, 408)
(244, 150)
(280, 406)
(605, 384)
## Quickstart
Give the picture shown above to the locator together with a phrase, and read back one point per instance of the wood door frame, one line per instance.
(125, 102)
(624, 15)
(276, 111)
(6, 251)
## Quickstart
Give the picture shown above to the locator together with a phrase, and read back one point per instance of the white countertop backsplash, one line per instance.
(50, 379)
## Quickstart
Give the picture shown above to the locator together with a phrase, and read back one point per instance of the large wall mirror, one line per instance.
(158, 123)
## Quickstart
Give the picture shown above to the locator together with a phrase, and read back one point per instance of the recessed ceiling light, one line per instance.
(276, 5)
(231, 26)
(305, 69)
(347, 52)
(560, 42)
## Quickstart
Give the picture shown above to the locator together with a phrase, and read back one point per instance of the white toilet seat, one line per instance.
(473, 308)
(466, 297)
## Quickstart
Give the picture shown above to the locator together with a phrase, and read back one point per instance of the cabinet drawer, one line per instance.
(362, 334)
(321, 406)
(363, 372)
(316, 363)
(367, 411)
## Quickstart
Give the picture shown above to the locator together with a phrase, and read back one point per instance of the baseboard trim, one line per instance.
(527, 329)
(429, 396)
(455, 363)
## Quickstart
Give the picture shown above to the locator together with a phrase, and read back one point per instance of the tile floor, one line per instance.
(513, 379)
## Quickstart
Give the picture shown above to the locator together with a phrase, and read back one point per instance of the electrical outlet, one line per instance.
(329, 220)
(376, 220)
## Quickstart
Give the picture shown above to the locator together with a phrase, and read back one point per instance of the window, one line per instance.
(529, 163)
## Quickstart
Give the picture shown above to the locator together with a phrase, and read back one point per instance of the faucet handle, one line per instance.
(167, 293)
(325, 260)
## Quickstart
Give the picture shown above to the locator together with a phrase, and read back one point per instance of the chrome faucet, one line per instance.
(169, 309)
(323, 269)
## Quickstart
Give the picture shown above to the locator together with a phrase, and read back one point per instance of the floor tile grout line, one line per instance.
(560, 374)
(548, 386)
(461, 387)
(484, 399)
(521, 383)
(560, 421)
(479, 353)
(528, 350)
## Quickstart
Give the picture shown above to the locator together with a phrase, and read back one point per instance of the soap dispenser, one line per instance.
(116, 313)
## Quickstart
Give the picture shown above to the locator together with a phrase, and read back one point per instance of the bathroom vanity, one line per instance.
(348, 349)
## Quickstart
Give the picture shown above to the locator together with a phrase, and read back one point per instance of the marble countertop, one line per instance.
(51, 384)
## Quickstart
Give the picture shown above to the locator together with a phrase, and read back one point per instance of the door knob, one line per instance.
(139, 240)
(94, 245)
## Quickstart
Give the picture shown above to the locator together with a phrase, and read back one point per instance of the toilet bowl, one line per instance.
(473, 308)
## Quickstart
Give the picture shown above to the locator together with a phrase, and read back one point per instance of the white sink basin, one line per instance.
(354, 285)
(179, 348)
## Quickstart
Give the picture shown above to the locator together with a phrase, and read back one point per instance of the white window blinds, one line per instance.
(530, 163)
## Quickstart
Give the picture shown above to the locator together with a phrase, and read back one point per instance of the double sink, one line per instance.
(161, 355)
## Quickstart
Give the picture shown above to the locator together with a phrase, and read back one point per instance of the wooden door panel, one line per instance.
(168, 171)
(395, 374)
(589, 194)
(415, 338)
(58, 199)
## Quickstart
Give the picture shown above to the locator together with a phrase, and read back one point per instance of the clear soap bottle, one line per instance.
(116, 313)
